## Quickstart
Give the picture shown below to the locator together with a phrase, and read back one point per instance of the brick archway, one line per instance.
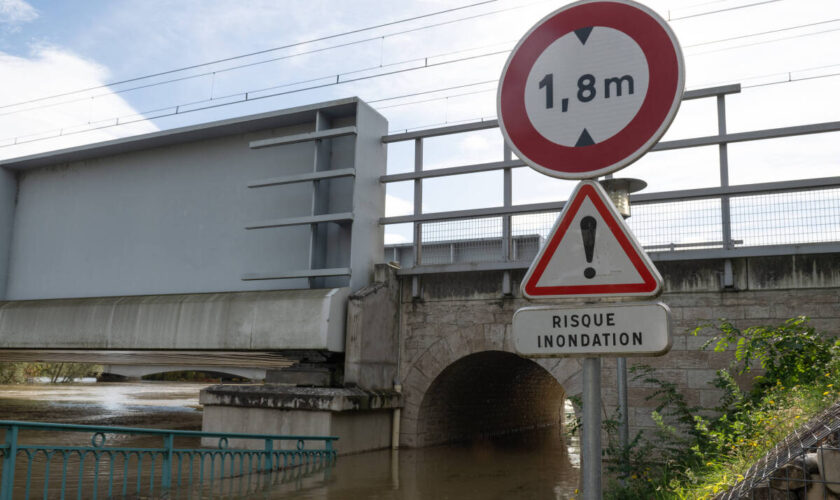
(449, 351)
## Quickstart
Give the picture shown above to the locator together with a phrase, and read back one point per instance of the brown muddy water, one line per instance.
(531, 465)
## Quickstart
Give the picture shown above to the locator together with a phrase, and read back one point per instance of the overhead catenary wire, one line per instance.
(266, 61)
(243, 97)
(719, 11)
(792, 37)
(120, 121)
(259, 52)
(297, 44)
(247, 96)
(761, 33)
(238, 67)
(356, 42)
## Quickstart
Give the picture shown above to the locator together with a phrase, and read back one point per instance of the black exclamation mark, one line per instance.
(587, 230)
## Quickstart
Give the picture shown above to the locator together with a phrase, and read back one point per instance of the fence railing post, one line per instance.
(269, 455)
(8, 481)
(168, 445)
(507, 236)
(328, 445)
(723, 156)
(418, 209)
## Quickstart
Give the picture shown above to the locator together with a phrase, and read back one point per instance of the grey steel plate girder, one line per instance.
(302, 221)
(307, 273)
(311, 176)
(306, 137)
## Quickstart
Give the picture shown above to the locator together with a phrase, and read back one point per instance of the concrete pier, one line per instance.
(360, 418)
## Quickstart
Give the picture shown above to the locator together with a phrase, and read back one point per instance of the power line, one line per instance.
(243, 97)
(743, 45)
(233, 68)
(415, 94)
(247, 96)
(274, 49)
(338, 78)
(142, 118)
(761, 33)
(357, 42)
(718, 11)
(251, 54)
(359, 70)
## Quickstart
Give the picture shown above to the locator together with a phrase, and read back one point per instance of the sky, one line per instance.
(421, 63)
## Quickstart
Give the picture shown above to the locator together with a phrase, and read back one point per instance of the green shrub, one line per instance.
(795, 375)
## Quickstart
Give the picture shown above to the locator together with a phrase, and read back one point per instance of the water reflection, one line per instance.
(531, 465)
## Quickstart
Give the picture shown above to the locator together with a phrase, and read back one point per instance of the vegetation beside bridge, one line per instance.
(19, 373)
(795, 374)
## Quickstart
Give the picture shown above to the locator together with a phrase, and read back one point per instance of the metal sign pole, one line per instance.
(553, 118)
(623, 427)
(591, 445)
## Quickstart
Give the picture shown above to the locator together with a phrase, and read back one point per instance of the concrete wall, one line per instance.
(171, 219)
(8, 200)
(283, 319)
(462, 314)
(360, 419)
(372, 351)
(488, 393)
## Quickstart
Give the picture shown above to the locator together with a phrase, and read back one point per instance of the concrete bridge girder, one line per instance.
(137, 371)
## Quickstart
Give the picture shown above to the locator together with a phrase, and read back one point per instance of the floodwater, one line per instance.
(531, 465)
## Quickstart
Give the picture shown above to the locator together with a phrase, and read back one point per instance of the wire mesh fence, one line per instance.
(787, 218)
(680, 225)
(768, 219)
(805, 465)
(462, 240)
(783, 214)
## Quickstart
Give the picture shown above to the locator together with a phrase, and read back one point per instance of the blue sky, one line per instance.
(52, 47)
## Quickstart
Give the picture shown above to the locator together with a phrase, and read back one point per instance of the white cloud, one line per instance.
(59, 122)
(395, 206)
(395, 239)
(16, 12)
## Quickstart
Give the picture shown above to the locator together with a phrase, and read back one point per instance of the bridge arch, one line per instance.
(479, 390)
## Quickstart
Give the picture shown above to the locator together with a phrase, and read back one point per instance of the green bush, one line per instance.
(12, 373)
(790, 354)
(795, 375)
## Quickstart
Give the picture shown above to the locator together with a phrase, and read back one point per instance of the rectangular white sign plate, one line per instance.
(593, 330)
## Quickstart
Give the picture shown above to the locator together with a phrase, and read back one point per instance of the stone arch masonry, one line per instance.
(465, 313)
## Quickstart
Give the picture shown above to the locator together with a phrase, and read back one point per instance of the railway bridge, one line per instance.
(255, 246)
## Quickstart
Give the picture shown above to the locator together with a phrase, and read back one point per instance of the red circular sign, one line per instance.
(590, 88)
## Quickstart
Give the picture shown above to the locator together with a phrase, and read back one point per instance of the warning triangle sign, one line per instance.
(591, 252)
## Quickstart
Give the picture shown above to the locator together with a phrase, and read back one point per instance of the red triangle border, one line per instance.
(649, 284)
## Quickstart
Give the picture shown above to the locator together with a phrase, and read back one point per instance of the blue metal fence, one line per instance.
(110, 467)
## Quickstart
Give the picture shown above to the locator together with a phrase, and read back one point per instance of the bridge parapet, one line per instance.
(719, 221)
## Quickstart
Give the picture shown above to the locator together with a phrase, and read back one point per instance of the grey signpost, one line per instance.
(588, 90)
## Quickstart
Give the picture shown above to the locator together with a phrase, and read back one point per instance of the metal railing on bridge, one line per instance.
(122, 461)
(725, 221)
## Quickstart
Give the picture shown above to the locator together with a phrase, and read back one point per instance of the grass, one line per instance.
(782, 410)
(796, 375)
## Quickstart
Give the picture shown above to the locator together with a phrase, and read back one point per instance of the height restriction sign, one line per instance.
(590, 88)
